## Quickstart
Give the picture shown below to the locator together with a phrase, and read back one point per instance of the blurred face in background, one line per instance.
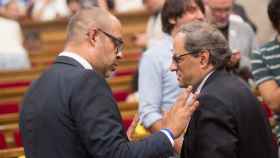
(218, 12)
(73, 6)
(192, 13)
(153, 6)
(13, 10)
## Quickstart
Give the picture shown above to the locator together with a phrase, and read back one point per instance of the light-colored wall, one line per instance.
(257, 11)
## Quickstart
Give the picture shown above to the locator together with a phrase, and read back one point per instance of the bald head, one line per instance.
(87, 18)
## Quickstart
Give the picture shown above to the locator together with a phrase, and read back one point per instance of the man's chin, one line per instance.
(221, 25)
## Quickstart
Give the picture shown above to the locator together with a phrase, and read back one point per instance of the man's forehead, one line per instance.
(116, 27)
(179, 41)
(192, 4)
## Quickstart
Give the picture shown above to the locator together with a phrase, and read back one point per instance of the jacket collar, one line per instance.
(216, 74)
(68, 61)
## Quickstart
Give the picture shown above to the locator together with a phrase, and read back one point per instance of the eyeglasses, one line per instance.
(178, 58)
(118, 42)
(221, 10)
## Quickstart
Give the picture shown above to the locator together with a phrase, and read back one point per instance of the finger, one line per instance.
(188, 91)
(191, 99)
(185, 95)
(135, 120)
(181, 96)
(192, 108)
(165, 113)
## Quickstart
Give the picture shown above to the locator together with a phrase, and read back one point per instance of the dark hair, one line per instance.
(201, 36)
(173, 9)
(70, 1)
(273, 11)
(200, 5)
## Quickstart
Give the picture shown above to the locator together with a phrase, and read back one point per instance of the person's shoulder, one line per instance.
(241, 26)
(210, 104)
(221, 82)
(272, 43)
(73, 75)
(87, 81)
(268, 47)
(86, 75)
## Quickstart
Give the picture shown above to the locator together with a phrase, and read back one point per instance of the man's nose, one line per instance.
(200, 15)
(120, 55)
(173, 66)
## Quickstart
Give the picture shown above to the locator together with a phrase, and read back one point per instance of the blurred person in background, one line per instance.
(76, 5)
(105, 4)
(122, 6)
(266, 65)
(239, 10)
(154, 27)
(239, 34)
(13, 9)
(13, 56)
(46, 10)
(73, 6)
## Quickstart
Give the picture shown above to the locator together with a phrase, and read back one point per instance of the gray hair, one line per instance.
(201, 36)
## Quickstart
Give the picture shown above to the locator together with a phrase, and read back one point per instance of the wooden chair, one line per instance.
(12, 152)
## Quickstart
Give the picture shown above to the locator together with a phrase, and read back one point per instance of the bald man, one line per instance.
(69, 112)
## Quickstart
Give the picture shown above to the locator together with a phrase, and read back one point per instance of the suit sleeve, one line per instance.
(99, 125)
(216, 134)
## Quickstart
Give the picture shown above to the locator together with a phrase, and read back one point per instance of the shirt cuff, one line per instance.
(168, 136)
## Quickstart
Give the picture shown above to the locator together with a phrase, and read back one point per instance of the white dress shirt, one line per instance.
(78, 58)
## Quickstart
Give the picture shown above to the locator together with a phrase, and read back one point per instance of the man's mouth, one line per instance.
(178, 76)
(114, 67)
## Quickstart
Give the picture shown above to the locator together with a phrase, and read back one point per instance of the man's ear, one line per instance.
(92, 36)
(204, 58)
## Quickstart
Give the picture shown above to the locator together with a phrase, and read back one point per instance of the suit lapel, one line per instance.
(215, 75)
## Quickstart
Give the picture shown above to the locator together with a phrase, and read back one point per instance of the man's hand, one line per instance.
(235, 59)
(132, 126)
(179, 116)
(178, 144)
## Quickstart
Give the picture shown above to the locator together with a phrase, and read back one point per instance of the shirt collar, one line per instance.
(78, 58)
(200, 86)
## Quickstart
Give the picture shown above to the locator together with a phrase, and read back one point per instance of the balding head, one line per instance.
(95, 35)
(81, 23)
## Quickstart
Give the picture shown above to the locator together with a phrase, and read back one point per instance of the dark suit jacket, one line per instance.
(230, 122)
(69, 112)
